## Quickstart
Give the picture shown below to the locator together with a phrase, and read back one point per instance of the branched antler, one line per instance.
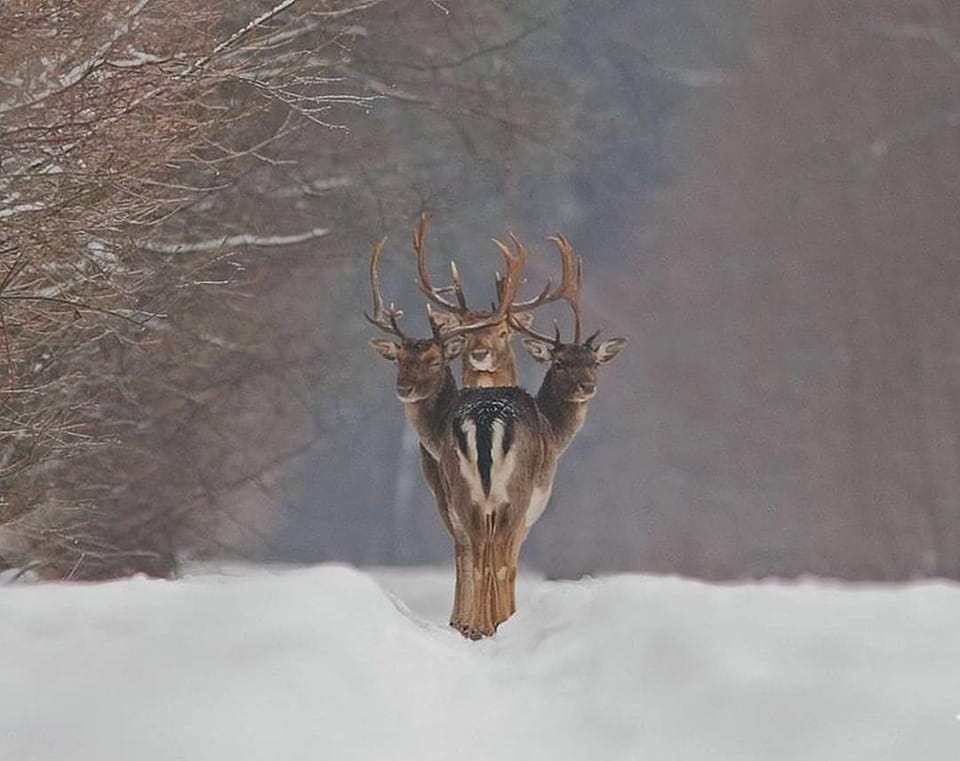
(383, 318)
(568, 290)
(424, 282)
(506, 290)
(569, 281)
(386, 318)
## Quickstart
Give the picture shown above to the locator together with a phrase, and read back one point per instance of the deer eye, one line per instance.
(435, 364)
(503, 333)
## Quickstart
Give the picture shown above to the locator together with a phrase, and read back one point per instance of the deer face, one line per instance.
(421, 364)
(487, 350)
(574, 366)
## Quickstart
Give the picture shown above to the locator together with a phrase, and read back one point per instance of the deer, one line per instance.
(487, 357)
(499, 456)
(494, 450)
(426, 387)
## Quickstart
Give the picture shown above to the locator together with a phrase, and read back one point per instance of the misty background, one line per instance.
(765, 197)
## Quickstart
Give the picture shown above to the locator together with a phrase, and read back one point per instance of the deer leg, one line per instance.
(517, 538)
(494, 574)
(434, 478)
(498, 571)
(502, 599)
(482, 622)
(485, 619)
(448, 498)
(474, 627)
(510, 535)
(463, 592)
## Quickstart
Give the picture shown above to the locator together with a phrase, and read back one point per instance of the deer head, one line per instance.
(488, 351)
(572, 376)
(420, 363)
(573, 367)
(488, 358)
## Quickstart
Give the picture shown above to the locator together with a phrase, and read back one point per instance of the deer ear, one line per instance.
(444, 320)
(538, 350)
(609, 349)
(453, 347)
(524, 319)
(386, 349)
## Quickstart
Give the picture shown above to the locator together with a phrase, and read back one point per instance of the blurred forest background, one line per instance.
(765, 196)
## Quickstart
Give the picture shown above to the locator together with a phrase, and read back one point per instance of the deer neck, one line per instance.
(566, 418)
(505, 375)
(428, 415)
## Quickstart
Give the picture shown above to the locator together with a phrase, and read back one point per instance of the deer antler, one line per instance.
(568, 290)
(424, 283)
(569, 282)
(507, 288)
(385, 319)
(509, 284)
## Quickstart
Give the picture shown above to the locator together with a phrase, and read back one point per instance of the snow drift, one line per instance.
(332, 663)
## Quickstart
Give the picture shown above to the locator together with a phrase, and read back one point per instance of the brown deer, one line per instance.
(495, 450)
(499, 461)
(426, 387)
(487, 357)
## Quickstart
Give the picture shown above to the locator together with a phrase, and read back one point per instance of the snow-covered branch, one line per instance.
(246, 29)
(233, 241)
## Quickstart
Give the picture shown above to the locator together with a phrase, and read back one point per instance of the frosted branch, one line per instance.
(232, 241)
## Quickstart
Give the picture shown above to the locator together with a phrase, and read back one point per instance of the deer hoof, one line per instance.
(476, 632)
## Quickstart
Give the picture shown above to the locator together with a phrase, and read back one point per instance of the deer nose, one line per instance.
(479, 354)
(587, 387)
(404, 391)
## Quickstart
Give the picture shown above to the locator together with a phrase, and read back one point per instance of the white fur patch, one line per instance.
(485, 365)
(538, 503)
(501, 468)
(468, 462)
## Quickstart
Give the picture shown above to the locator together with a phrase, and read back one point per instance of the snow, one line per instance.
(336, 663)
(10, 211)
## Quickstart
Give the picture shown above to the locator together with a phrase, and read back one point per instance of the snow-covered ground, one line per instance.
(333, 664)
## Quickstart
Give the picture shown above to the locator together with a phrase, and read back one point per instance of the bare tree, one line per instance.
(124, 123)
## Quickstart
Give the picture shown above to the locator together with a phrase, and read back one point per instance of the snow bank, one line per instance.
(325, 663)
